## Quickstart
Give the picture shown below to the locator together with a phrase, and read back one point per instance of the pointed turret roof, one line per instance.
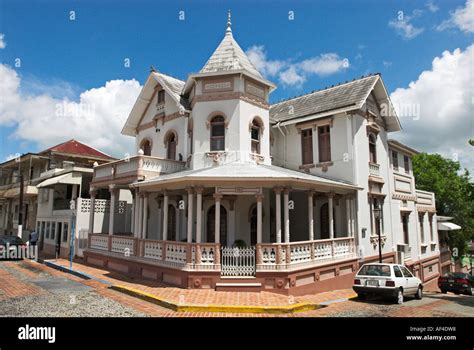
(229, 56)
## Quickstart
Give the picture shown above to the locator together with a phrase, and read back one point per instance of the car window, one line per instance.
(397, 271)
(375, 270)
(406, 272)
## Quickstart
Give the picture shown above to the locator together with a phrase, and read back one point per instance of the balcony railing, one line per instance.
(374, 169)
(136, 168)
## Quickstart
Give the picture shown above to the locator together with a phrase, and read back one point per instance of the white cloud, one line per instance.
(404, 28)
(258, 56)
(443, 95)
(462, 18)
(3, 43)
(96, 118)
(292, 73)
(432, 7)
(291, 77)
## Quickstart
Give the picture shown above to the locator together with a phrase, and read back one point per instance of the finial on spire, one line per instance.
(229, 23)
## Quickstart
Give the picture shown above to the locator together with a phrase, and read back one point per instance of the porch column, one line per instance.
(259, 217)
(113, 192)
(132, 216)
(74, 192)
(348, 215)
(231, 218)
(190, 215)
(165, 217)
(353, 215)
(331, 215)
(140, 215)
(93, 193)
(145, 216)
(136, 206)
(198, 214)
(310, 216)
(278, 214)
(217, 227)
(286, 214)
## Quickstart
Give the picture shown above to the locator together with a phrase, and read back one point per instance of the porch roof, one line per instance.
(246, 172)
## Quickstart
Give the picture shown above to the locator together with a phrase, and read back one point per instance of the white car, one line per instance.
(390, 280)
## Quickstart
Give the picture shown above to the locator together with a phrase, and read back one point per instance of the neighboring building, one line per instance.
(444, 228)
(52, 178)
(233, 193)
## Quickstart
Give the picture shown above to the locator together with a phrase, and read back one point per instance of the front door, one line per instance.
(211, 225)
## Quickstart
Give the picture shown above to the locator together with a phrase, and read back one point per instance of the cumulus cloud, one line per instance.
(293, 73)
(462, 18)
(403, 26)
(96, 118)
(443, 96)
(432, 7)
(3, 43)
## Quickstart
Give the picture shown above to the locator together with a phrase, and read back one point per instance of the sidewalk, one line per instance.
(202, 300)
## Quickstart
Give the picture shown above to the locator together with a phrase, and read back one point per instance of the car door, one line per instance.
(400, 280)
(411, 281)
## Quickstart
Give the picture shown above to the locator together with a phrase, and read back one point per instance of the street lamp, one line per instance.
(377, 215)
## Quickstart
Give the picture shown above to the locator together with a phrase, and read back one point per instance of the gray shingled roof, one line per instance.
(229, 56)
(342, 96)
(246, 172)
(175, 86)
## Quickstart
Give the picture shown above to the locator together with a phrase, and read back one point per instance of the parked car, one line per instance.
(457, 282)
(12, 243)
(390, 280)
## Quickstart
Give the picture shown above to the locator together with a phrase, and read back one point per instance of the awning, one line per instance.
(448, 226)
(68, 179)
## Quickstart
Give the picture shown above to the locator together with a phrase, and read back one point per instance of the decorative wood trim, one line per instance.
(315, 123)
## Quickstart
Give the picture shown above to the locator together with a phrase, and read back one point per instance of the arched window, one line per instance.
(372, 148)
(146, 147)
(211, 225)
(171, 146)
(171, 234)
(218, 134)
(255, 131)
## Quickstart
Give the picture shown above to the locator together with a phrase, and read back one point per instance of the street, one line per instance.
(29, 289)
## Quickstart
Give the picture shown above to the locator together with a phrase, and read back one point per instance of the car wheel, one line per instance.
(456, 292)
(444, 291)
(419, 293)
(399, 298)
(361, 296)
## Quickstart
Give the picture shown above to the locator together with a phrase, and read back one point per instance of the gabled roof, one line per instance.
(402, 147)
(348, 95)
(171, 85)
(74, 147)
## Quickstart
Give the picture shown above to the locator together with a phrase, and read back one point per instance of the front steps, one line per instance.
(236, 285)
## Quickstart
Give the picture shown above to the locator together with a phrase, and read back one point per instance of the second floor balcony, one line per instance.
(133, 169)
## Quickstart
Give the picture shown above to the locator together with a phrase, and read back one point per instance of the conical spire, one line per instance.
(229, 23)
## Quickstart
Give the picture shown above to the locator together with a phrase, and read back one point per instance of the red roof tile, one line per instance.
(79, 148)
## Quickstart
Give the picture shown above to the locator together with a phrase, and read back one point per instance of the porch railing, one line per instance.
(191, 256)
(207, 256)
(294, 255)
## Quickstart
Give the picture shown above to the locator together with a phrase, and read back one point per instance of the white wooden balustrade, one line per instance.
(100, 242)
(123, 245)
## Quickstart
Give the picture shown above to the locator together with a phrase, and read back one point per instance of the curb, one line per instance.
(284, 309)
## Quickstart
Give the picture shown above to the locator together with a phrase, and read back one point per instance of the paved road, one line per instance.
(37, 290)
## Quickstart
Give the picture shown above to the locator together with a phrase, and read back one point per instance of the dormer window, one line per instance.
(217, 134)
(255, 136)
(161, 97)
(372, 148)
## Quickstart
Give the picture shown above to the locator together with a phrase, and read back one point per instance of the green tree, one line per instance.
(454, 193)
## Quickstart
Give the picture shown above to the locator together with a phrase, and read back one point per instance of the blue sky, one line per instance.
(62, 58)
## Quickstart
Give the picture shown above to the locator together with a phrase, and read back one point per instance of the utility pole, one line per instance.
(20, 213)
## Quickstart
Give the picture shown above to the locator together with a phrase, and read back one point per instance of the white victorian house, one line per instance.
(230, 192)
